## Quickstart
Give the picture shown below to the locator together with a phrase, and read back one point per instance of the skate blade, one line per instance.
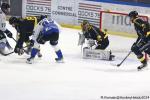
(60, 61)
(29, 62)
(145, 68)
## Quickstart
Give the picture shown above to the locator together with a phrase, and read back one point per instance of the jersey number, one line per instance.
(3, 24)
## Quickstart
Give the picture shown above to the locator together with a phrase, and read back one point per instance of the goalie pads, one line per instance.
(97, 54)
(81, 40)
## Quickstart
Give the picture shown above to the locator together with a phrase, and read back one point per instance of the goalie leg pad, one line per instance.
(97, 54)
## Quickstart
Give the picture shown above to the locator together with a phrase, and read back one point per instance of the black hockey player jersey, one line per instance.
(25, 29)
(142, 28)
(93, 32)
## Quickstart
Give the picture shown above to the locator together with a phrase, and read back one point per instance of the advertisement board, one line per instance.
(73, 12)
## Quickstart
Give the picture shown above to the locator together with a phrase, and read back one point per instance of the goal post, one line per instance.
(118, 23)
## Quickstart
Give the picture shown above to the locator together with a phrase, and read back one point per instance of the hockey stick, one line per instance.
(7, 53)
(124, 59)
(10, 52)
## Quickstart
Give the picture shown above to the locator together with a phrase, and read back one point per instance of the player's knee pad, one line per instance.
(53, 43)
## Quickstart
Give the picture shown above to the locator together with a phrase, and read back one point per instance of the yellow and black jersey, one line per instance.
(25, 27)
(94, 33)
(142, 28)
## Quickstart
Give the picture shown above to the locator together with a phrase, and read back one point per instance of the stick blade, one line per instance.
(114, 64)
(118, 65)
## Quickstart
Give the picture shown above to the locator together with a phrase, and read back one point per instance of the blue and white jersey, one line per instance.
(45, 27)
(49, 27)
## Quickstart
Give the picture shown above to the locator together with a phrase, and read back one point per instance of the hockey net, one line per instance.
(118, 23)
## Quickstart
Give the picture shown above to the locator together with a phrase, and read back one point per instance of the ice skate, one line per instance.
(39, 55)
(112, 57)
(144, 65)
(30, 60)
(59, 60)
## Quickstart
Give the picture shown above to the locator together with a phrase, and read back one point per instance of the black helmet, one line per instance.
(12, 20)
(133, 14)
(5, 7)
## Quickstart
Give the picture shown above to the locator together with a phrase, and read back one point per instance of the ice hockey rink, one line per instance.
(77, 78)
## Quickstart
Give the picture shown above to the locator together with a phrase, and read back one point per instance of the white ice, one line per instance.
(77, 78)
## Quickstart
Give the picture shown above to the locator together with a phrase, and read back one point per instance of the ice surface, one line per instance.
(76, 79)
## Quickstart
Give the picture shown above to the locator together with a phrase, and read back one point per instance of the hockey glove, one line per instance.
(20, 51)
(31, 43)
(40, 41)
(99, 38)
(133, 46)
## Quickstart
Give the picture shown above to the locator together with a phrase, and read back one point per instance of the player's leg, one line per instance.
(140, 56)
(34, 52)
(2, 42)
(54, 44)
(2, 47)
(8, 45)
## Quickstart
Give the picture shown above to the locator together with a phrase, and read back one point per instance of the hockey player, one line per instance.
(142, 43)
(24, 28)
(5, 8)
(45, 30)
(94, 33)
(95, 37)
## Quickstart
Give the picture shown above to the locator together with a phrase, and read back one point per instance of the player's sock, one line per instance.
(34, 51)
(59, 56)
(33, 54)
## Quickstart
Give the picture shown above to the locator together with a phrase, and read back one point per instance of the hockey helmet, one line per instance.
(85, 22)
(5, 7)
(13, 20)
(84, 25)
(133, 14)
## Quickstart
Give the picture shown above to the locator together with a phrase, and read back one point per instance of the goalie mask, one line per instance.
(85, 25)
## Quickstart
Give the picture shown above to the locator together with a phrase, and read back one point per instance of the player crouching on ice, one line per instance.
(94, 37)
(142, 43)
(4, 10)
(45, 30)
(24, 28)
